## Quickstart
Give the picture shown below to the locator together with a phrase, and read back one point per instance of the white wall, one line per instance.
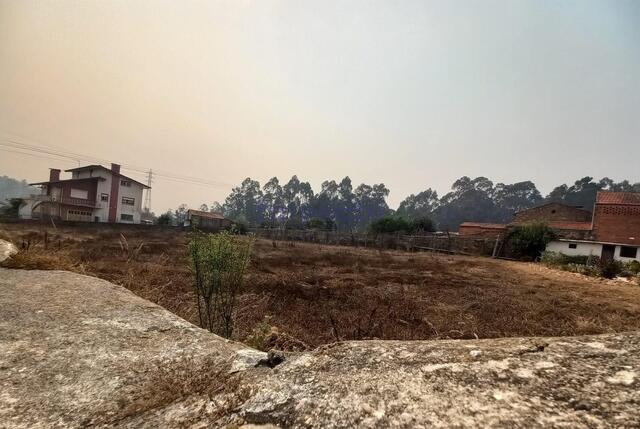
(134, 191)
(104, 187)
(585, 249)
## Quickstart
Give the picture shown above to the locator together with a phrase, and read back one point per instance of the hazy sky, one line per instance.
(413, 94)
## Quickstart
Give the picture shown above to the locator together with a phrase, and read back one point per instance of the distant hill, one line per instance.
(13, 188)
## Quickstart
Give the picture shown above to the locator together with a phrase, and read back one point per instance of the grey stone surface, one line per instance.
(76, 351)
(7, 249)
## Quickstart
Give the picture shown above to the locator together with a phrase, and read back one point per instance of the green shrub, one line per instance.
(528, 241)
(631, 268)
(317, 223)
(218, 263)
(610, 269)
(239, 227)
(260, 334)
(394, 224)
(557, 259)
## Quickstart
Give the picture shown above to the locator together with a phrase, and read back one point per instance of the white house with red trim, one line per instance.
(93, 194)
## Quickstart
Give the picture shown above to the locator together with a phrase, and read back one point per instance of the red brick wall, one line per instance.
(554, 212)
(617, 224)
(480, 232)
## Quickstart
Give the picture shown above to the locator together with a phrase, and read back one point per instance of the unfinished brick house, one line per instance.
(482, 230)
(612, 232)
(553, 213)
(568, 220)
(615, 231)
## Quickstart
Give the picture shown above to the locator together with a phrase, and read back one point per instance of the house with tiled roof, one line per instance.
(615, 229)
(207, 220)
(93, 193)
(566, 220)
(611, 232)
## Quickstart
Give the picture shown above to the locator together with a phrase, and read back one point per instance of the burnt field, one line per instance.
(315, 294)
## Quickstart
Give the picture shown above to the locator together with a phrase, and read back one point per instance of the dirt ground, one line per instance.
(317, 294)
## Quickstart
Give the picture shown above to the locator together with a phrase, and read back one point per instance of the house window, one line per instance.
(573, 245)
(628, 252)
(128, 201)
(126, 217)
(126, 183)
(79, 193)
(104, 197)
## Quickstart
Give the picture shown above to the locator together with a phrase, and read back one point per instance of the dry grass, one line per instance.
(315, 294)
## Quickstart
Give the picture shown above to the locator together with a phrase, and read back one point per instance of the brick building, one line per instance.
(553, 212)
(482, 230)
(615, 232)
(612, 232)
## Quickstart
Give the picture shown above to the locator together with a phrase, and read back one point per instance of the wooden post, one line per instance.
(495, 247)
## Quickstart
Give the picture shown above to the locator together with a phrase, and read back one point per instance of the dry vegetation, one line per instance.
(314, 294)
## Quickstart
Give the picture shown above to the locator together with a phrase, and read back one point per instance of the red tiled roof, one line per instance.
(579, 226)
(209, 215)
(624, 198)
(484, 225)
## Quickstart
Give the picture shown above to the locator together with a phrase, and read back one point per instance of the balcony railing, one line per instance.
(80, 202)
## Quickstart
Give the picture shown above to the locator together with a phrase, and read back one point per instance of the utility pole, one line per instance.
(147, 198)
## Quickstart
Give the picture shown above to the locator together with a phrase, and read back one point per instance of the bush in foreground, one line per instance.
(218, 263)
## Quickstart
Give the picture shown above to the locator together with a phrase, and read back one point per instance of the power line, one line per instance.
(58, 152)
(34, 155)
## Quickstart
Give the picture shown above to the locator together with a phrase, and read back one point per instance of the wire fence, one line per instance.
(436, 242)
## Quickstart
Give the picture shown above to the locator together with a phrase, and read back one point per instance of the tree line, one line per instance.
(340, 206)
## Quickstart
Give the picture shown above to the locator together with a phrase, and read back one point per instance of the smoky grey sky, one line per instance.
(413, 94)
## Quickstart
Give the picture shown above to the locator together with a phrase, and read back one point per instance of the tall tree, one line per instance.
(323, 205)
(245, 202)
(273, 201)
(510, 199)
(370, 204)
(297, 201)
(216, 207)
(419, 206)
(469, 200)
(345, 206)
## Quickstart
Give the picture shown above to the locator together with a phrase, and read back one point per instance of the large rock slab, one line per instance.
(7, 249)
(77, 351)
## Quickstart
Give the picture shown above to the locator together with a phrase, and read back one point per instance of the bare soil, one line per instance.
(317, 294)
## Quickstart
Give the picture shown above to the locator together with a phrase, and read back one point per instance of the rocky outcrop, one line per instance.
(78, 351)
(7, 250)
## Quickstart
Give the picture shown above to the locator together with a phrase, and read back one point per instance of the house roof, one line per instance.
(209, 215)
(577, 226)
(618, 198)
(86, 179)
(484, 225)
(97, 166)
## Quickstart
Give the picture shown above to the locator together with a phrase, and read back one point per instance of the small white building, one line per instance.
(592, 248)
(93, 194)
